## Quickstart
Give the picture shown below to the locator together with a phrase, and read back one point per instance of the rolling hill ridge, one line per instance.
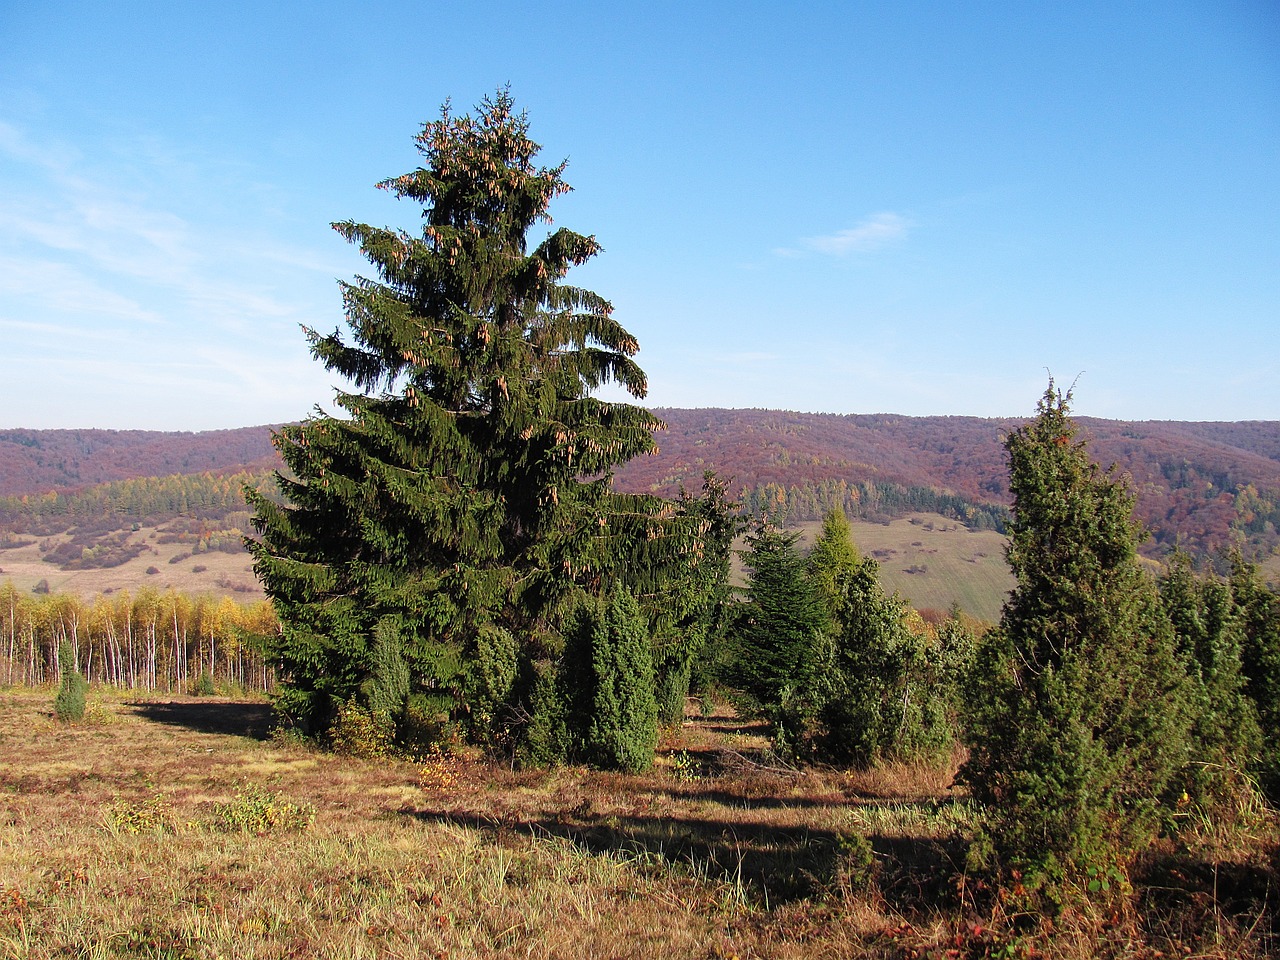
(1199, 485)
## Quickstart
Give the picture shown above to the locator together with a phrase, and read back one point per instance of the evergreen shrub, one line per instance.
(1258, 609)
(1077, 716)
(779, 639)
(69, 704)
(609, 691)
(544, 739)
(493, 668)
(1224, 736)
(387, 688)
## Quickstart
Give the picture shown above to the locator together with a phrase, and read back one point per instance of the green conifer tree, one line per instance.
(881, 688)
(833, 557)
(623, 729)
(691, 613)
(1224, 736)
(1077, 717)
(463, 493)
(780, 636)
(1259, 611)
(878, 693)
(69, 705)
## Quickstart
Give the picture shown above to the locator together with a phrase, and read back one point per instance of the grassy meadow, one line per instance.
(933, 561)
(211, 572)
(182, 828)
(929, 559)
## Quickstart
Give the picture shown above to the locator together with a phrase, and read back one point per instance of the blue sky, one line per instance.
(906, 207)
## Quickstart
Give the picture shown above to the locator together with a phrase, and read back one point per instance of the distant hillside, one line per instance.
(1203, 485)
(1198, 484)
(39, 461)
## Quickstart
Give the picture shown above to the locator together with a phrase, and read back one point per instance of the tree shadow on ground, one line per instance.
(236, 718)
(770, 865)
(753, 795)
(749, 728)
(1198, 893)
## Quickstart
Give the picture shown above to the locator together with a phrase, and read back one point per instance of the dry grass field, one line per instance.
(212, 572)
(1270, 569)
(181, 828)
(929, 559)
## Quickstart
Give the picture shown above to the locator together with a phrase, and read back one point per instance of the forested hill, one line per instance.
(1198, 483)
(963, 454)
(41, 461)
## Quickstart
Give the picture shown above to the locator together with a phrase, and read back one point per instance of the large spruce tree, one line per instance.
(1078, 706)
(431, 530)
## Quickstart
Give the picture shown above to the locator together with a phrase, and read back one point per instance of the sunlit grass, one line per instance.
(139, 836)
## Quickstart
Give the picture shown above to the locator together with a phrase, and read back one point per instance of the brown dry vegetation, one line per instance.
(182, 828)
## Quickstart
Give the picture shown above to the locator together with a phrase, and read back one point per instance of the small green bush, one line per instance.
(544, 738)
(256, 810)
(854, 865)
(387, 688)
(68, 705)
(425, 726)
(203, 687)
(608, 685)
(685, 766)
(1258, 608)
(493, 668)
(285, 735)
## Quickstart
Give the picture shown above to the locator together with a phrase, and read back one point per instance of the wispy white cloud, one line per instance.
(112, 236)
(872, 233)
(60, 288)
(17, 146)
(33, 336)
(145, 301)
(77, 243)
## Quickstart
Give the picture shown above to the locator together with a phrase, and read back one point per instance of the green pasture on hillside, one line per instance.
(934, 561)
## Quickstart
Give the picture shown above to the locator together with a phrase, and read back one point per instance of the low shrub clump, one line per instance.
(359, 731)
(69, 704)
(203, 687)
(152, 815)
(257, 810)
